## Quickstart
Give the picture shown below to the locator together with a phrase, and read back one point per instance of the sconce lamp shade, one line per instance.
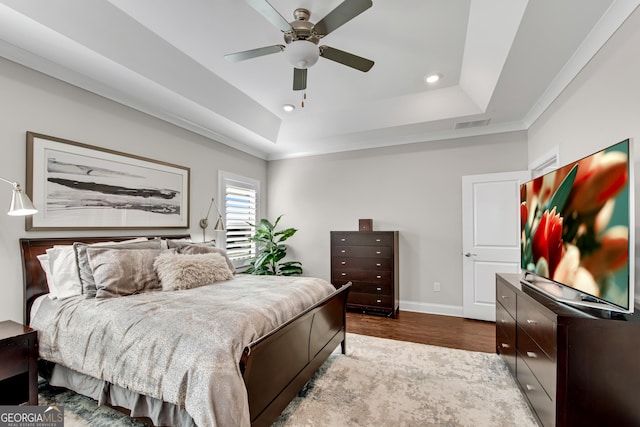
(219, 224)
(21, 205)
(204, 222)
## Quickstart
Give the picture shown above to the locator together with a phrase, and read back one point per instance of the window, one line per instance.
(240, 195)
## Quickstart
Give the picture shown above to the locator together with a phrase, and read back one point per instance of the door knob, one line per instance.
(469, 254)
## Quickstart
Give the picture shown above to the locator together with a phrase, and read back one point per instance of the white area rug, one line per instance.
(386, 382)
(379, 382)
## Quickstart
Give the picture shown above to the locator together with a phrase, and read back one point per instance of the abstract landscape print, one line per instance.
(78, 186)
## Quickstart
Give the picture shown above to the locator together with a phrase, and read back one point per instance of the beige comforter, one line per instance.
(182, 347)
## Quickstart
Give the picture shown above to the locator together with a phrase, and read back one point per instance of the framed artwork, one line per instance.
(78, 187)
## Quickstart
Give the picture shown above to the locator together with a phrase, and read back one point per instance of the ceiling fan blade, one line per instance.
(299, 78)
(265, 9)
(253, 53)
(345, 12)
(346, 58)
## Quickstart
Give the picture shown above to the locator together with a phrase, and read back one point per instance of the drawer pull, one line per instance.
(343, 274)
(378, 252)
(378, 289)
(378, 277)
(378, 264)
(504, 296)
(343, 251)
(504, 345)
(532, 354)
(530, 387)
(378, 301)
(531, 322)
(377, 240)
(343, 240)
(343, 263)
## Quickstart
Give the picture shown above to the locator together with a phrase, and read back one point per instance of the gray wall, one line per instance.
(415, 189)
(601, 107)
(34, 102)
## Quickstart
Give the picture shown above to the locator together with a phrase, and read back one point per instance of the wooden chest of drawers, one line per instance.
(574, 367)
(369, 260)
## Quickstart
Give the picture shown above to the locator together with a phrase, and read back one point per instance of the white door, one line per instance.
(490, 237)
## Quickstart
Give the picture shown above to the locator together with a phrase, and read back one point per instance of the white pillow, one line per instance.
(64, 270)
(44, 263)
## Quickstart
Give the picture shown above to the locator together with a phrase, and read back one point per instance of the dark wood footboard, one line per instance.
(277, 366)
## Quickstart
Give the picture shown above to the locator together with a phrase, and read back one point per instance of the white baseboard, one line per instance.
(442, 309)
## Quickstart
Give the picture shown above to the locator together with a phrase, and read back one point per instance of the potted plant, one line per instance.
(271, 251)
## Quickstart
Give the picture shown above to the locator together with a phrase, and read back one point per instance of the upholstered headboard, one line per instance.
(34, 279)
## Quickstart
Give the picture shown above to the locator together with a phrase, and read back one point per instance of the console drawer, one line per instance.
(507, 297)
(543, 367)
(505, 319)
(543, 404)
(506, 344)
(539, 327)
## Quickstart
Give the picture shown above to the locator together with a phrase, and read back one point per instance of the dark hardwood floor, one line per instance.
(445, 331)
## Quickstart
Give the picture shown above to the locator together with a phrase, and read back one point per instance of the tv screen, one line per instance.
(577, 230)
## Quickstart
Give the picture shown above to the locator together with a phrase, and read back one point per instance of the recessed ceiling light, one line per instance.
(288, 108)
(432, 78)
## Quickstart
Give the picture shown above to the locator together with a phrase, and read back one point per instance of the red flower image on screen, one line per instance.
(575, 225)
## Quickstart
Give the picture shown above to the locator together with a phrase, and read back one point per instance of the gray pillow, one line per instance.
(178, 271)
(122, 272)
(190, 248)
(84, 269)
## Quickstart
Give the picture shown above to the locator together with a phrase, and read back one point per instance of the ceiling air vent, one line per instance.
(472, 124)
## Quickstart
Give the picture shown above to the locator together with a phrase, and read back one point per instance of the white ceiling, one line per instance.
(501, 60)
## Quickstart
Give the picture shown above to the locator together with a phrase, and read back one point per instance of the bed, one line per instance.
(273, 365)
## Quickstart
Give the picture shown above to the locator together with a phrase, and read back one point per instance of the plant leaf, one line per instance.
(265, 226)
(275, 224)
(285, 234)
(561, 195)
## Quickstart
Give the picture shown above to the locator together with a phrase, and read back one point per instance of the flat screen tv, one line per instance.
(577, 231)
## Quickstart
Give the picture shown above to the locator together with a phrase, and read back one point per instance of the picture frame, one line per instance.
(77, 186)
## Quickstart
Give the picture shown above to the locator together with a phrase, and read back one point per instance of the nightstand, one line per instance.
(18, 364)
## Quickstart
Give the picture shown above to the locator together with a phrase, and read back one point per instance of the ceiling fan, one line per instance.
(302, 37)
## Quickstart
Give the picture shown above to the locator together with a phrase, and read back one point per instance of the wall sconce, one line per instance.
(204, 222)
(21, 205)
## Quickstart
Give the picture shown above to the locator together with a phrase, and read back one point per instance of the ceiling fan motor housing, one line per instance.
(302, 28)
(302, 50)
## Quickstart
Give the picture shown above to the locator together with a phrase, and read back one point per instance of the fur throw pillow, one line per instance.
(178, 271)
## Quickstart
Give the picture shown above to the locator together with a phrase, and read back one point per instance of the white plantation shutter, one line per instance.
(240, 209)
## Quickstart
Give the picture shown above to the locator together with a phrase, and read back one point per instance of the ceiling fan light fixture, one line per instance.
(302, 54)
(288, 107)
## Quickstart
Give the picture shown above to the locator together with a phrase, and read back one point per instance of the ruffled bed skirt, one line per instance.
(159, 412)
